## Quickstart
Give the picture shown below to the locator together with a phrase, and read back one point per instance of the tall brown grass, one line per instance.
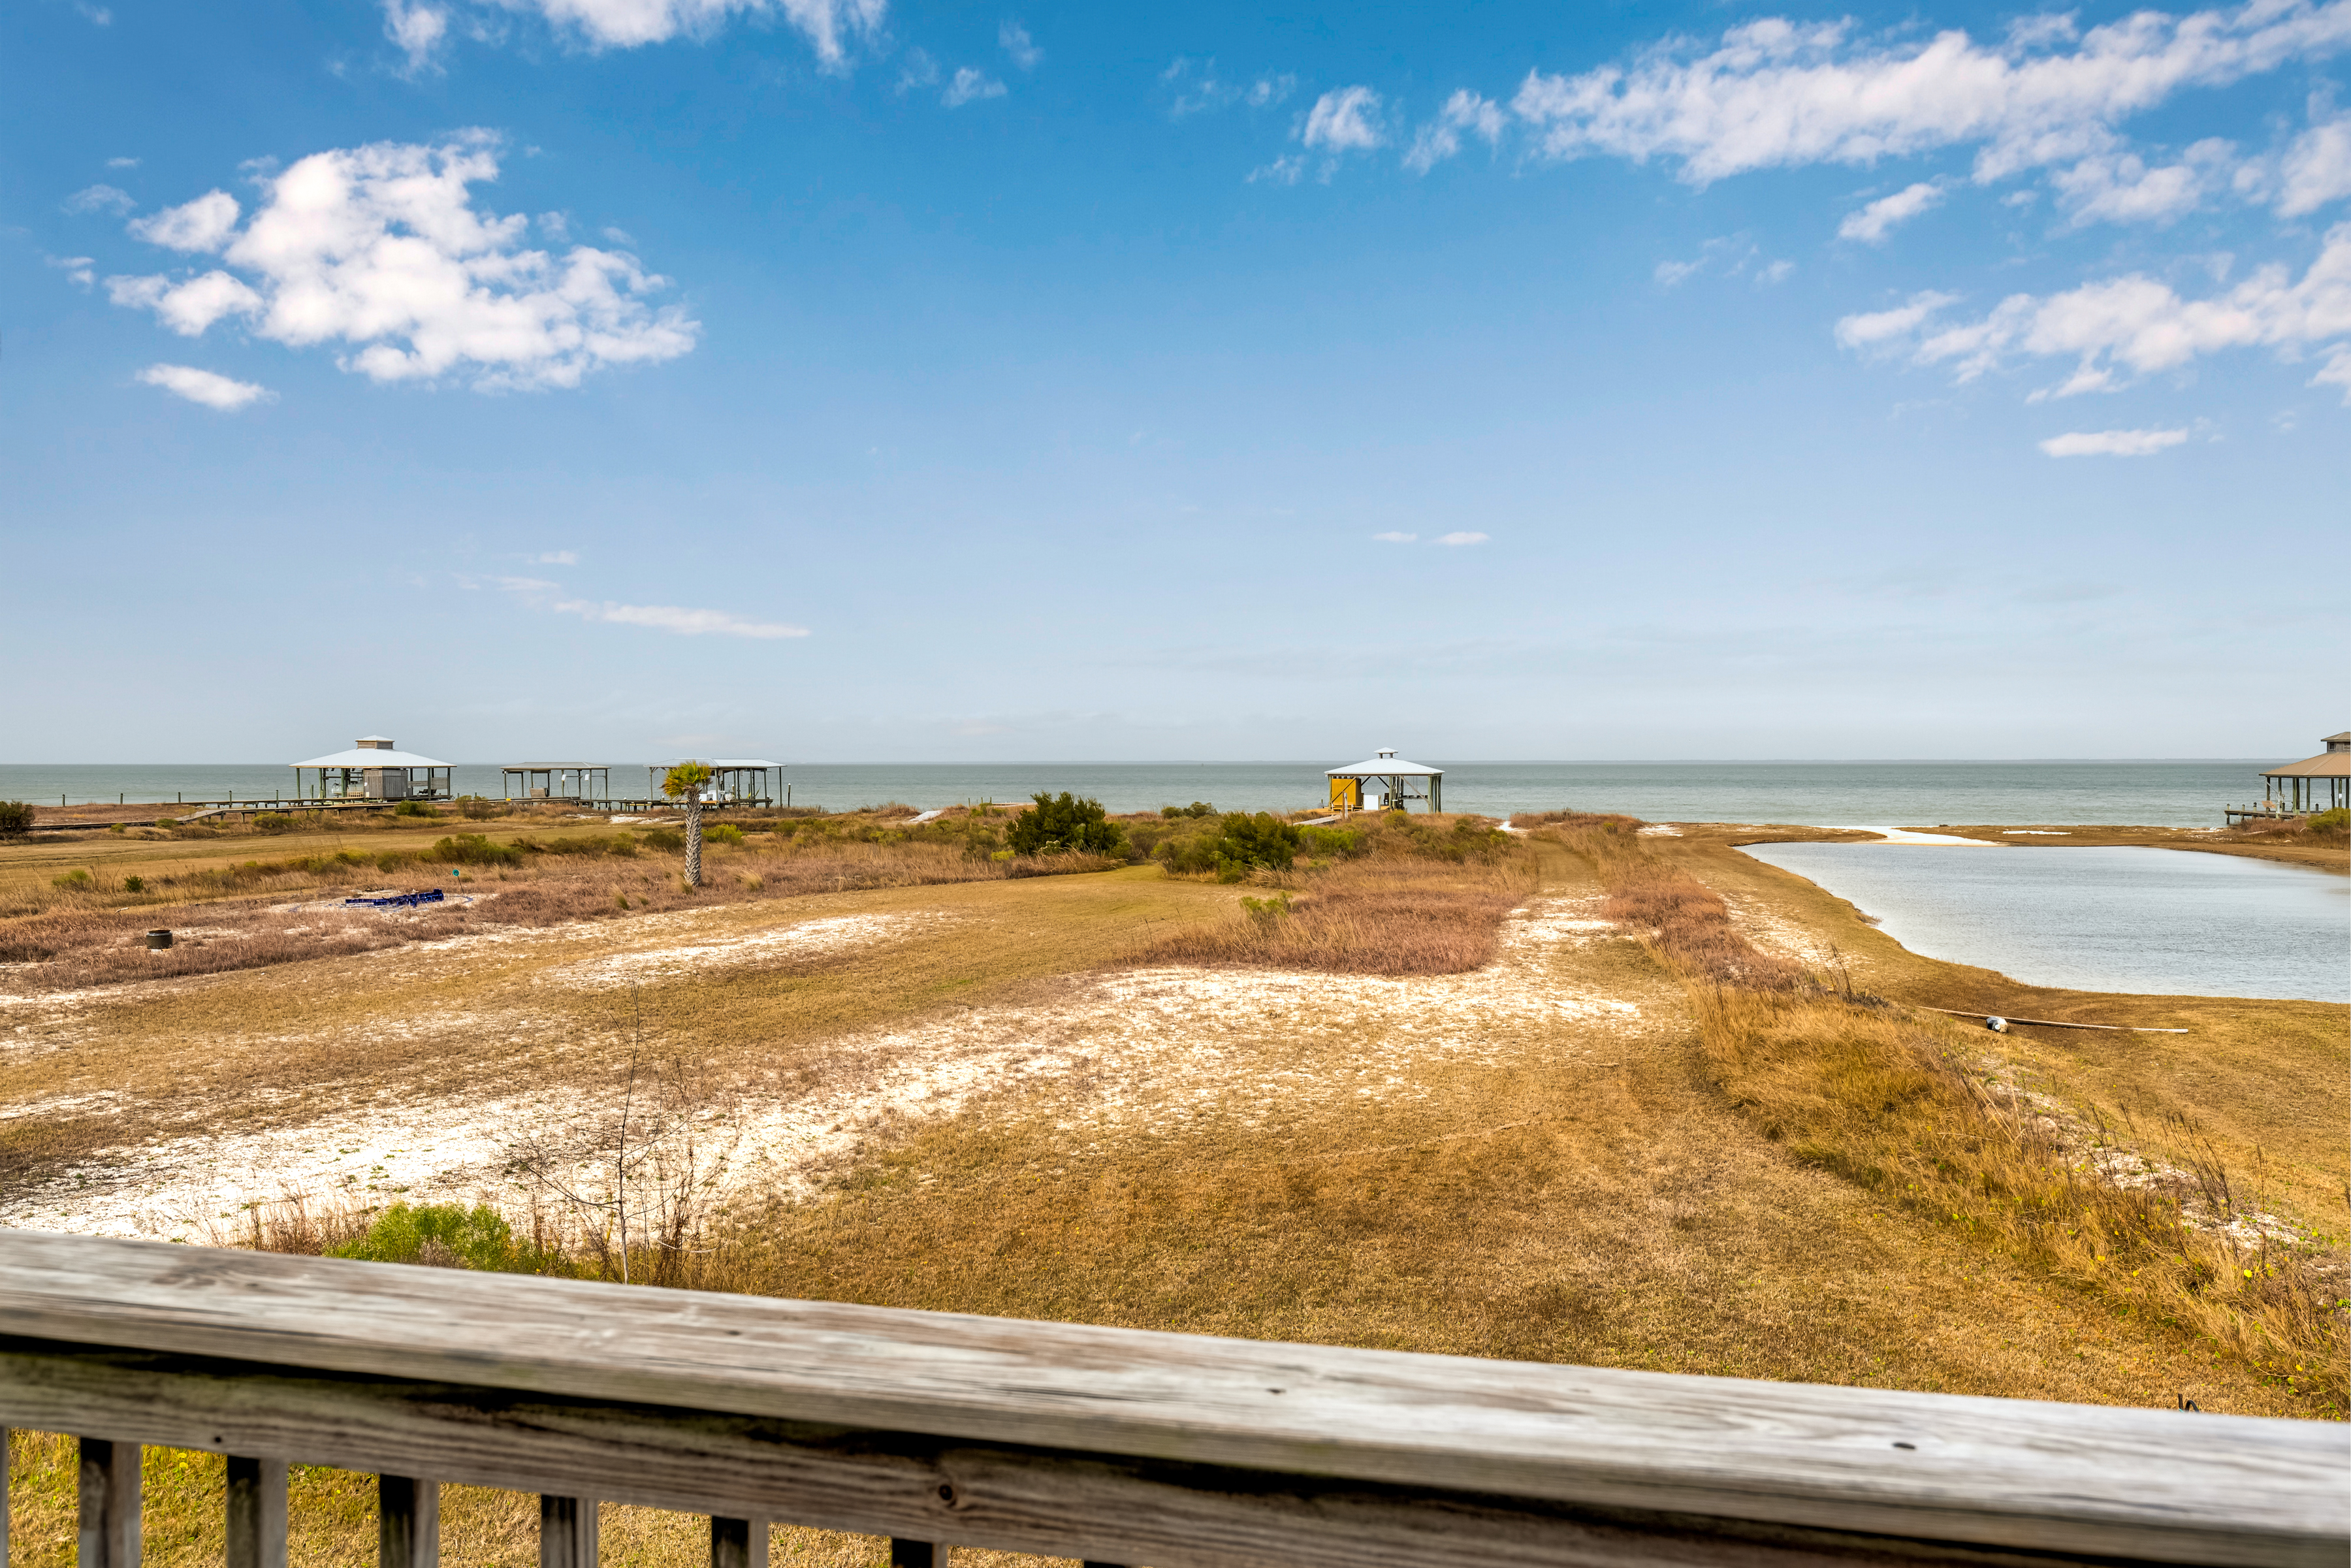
(1903, 1105)
(1393, 915)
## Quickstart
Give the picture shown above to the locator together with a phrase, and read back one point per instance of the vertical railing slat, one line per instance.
(918, 1554)
(408, 1523)
(109, 1504)
(738, 1543)
(3, 1497)
(256, 1512)
(567, 1532)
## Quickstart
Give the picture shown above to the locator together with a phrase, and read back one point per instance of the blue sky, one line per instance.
(856, 380)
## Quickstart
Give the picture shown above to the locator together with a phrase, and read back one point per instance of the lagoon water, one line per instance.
(2097, 918)
(1913, 794)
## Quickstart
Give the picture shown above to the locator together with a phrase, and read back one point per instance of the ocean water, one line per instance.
(2183, 794)
(2100, 919)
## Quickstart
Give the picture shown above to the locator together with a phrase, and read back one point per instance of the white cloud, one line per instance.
(122, 163)
(380, 248)
(1733, 253)
(98, 15)
(202, 224)
(1871, 328)
(1461, 539)
(828, 25)
(1873, 222)
(188, 308)
(1777, 93)
(2138, 325)
(2111, 442)
(1197, 88)
(1441, 138)
(101, 199)
(2316, 169)
(418, 29)
(969, 86)
(555, 557)
(1396, 538)
(2121, 188)
(1670, 272)
(1776, 273)
(1346, 120)
(1013, 38)
(1281, 171)
(78, 269)
(205, 387)
(919, 70)
(674, 619)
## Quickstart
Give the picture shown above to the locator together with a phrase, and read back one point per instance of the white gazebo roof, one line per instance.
(366, 756)
(718, 762)
(1388, 766)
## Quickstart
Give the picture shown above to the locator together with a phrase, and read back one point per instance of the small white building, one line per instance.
(372, 769)
(1386, 782)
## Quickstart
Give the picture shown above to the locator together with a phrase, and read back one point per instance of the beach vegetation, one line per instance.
(1065, 824)
(16, 818)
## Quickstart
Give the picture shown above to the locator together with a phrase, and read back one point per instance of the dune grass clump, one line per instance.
(1409, 899)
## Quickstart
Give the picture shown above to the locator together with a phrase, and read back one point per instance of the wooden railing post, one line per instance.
(109, 1504)
(918, 1554)
(567, 1533)
(256, 1512)
(3, 1497)
(738, 1543)
(408, 1523)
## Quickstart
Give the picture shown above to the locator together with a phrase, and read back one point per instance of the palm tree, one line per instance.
(686, 780)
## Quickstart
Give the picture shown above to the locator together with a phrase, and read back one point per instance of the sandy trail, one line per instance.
(1137, 1051)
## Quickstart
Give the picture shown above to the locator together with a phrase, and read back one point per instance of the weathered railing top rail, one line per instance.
(955, 1404)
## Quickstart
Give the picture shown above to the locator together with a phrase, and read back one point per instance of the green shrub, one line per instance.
(272, 822)
(475, 1238)
(1331, 843)
(1249, 843)
(1267, 911)
(413, 809)
(477, 808)
(167, 821)
(16, 818)
(665, 839)
(474, 849)
(1064, 824)
(76, 881)
(134, 885)
(2334, 821)
(723, 834)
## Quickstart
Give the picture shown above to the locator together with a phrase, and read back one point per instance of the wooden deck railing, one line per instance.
(1110, 1444)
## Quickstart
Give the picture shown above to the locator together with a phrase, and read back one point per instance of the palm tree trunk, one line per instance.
(694, 838)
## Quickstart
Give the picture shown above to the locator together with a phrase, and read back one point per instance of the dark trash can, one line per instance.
(158, 940)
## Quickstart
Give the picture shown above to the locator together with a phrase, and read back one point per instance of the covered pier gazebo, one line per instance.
(572, 781)
(734, 780)
(2317, 783)
(1385, 783)
(372, 769)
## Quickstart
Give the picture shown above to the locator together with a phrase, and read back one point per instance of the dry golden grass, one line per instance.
(1392, 915)
(1904, 1105)
(73, 937)
(1544, 1181)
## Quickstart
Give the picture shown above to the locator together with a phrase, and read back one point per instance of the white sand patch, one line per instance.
(177, 1187)
(1659, 830)
(804, 939)
(1906, 836)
